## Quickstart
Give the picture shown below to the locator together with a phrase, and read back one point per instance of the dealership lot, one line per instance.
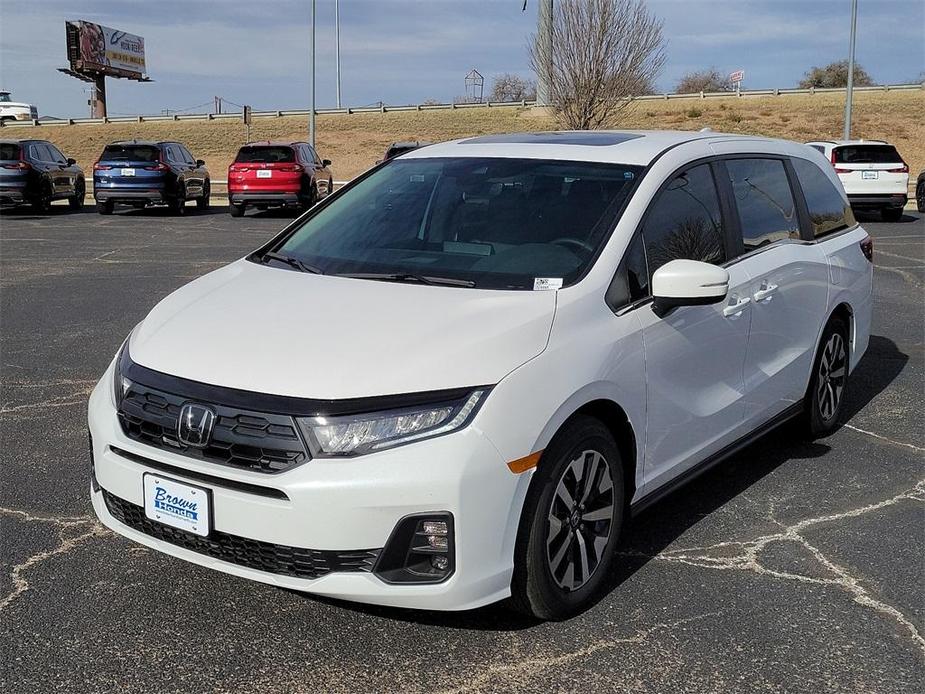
(792, 567)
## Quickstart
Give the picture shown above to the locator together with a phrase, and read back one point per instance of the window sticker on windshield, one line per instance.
(542, 284)
(627, 174)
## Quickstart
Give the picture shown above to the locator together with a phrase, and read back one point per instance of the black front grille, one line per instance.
(243, 439)
(254, 554)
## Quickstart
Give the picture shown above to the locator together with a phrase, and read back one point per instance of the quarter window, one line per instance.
(828, 210)
(764, 200)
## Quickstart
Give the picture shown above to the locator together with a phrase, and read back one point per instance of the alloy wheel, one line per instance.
(833, 370)
(580, 520)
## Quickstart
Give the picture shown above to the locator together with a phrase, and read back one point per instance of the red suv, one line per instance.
(277, 174)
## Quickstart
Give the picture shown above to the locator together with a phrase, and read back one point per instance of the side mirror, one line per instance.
(325, 162)
(200, 162)
(71, 162)
(687, 283)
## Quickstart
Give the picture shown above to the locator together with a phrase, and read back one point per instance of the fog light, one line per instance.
(438, 542)
(435, 527)
(421, 549)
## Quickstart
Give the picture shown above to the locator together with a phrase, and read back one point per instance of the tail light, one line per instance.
(902, 169)
(840, 171)
(160, 166)
(239, 168)
(867, 248)
(291, 168)
(18, 166)
(101, 167)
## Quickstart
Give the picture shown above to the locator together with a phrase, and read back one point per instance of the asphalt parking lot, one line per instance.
(793, 567)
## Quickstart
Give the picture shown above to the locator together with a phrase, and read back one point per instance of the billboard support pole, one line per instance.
(99, 96)
(311, 117)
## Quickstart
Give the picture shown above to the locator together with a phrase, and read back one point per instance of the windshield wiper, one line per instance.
(408, 277)
(291, 262)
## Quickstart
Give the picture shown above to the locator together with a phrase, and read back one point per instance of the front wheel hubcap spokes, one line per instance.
(832, 373)
(580, 519)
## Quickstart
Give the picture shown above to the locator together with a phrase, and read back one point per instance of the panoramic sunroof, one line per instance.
(592, 139)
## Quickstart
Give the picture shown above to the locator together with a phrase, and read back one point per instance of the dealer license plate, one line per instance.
(177, 504)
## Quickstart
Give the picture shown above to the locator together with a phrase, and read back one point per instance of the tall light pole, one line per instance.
(337, 46)
(544, 38)
(311, 107)
(849, 96)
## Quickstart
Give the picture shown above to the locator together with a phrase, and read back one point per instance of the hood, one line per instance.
(278, 331)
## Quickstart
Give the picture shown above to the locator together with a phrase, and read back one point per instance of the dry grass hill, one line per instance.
(354, 142)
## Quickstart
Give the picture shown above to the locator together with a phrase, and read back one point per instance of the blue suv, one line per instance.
(141, 173)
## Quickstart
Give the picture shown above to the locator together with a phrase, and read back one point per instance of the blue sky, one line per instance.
(406, 51)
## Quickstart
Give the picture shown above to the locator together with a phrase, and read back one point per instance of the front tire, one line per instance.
(203, 202)
(825, 398)
(80, 192)
(571, 522)
(891, 214)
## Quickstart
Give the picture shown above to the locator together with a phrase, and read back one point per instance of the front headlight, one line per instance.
(120, 384)
(352, 435)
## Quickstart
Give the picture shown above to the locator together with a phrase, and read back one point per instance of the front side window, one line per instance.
(764, 200)
(685, 221)
(828, 210)
(55, 153)
(484, 222)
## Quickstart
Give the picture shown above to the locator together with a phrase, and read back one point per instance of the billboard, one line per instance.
(109, 51)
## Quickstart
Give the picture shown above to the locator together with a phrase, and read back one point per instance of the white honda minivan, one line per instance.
(456, 379)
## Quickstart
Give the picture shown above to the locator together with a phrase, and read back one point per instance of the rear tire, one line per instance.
(891, 214)
(105, 207)
(825, 397)
(178, 204)
(236, 210)
(203, 202)
(41, 204)
(571, 522)
(80, 192)
(920, 197)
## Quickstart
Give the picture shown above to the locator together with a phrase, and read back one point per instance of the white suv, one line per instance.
(456, 379)
(873, 173)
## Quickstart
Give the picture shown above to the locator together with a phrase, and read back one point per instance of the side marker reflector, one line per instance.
(523, 464)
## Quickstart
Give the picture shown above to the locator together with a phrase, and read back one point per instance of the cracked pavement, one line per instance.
(793, 567)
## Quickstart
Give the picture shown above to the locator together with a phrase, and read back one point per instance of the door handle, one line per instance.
(736, 308)
(765, 291)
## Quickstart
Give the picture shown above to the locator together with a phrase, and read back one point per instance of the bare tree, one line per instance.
(603, 52)
(510, 87)
(710, 80)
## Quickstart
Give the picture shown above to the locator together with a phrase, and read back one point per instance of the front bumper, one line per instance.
(339, 506)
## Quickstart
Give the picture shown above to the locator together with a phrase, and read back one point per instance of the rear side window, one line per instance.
(130, 153)
(9, 151)
(764, 200)
(867, 154)
(828, 210)
(39, 152)
(265, 154)
(684, 222)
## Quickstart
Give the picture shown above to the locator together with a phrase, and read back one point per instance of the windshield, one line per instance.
(5, 97)
(490, 223)
(265, 154)
(130, 153)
